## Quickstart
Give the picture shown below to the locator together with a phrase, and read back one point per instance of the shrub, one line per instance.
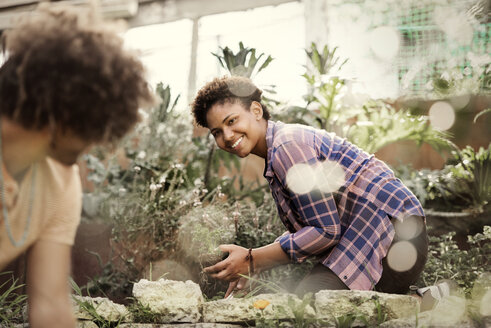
(447, 261)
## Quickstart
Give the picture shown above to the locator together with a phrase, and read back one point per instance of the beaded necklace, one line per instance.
(22, 241)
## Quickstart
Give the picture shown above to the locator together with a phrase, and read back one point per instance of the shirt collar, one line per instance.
(268, 169)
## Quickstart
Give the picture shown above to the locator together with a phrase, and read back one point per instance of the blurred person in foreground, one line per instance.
(340, 205)
(66, 84)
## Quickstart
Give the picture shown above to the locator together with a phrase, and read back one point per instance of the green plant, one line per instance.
(325, 86)
(345, 321)
(381, 314)
(244, 62)
(471, 79)
(260, 285)
(477, 302)
(301, 319)
(471, 171)
(297, 114)
(424, 183)
(112, 282)
(145, 194)
(379, 124)
(370, 126)
(447, 261)
(142, 313)
(203, 229)
(11, 301)
(262, 322)
(464, 183)
(89, 307)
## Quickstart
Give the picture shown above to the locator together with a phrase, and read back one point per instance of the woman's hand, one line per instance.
(233, 266)
(237, 285)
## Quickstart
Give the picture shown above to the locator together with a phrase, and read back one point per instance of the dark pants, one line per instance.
(392, 281)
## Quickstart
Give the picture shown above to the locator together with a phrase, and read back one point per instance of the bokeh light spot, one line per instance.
(409, 228)
(402, 256)
(449, 311)
(461, 101)
(384, 42)
(485, 308)
(455, 24)
(329, 176)
(300, 178)
(240, 89)
(442, 115)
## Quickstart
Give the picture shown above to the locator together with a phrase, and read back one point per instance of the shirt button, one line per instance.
(345, 277)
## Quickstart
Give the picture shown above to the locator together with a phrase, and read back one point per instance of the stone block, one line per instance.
(104, 308)
(175, 301)
(276, 307)
(369, 306)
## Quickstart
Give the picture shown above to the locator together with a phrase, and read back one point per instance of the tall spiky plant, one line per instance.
(244, 62)
(325, 84)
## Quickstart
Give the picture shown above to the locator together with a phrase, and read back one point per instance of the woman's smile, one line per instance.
(237, 143)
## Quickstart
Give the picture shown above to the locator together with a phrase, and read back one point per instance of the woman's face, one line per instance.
(236, 129)
(66, 147)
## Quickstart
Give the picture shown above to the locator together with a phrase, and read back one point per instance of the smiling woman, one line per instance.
(238, 130)
(352, 215)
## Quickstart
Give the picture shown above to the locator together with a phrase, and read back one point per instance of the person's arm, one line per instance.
(235, 264)
(317, 210)
(48, 269)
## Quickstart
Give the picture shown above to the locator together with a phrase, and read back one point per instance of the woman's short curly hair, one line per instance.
(226, 89)
(67, 70)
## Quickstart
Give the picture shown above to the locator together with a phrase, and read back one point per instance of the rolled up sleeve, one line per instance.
(316, 211)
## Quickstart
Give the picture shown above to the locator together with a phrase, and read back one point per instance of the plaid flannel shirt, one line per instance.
(349, 229)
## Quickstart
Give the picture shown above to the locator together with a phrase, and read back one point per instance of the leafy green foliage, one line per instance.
(203, 229)
(297, 114)
(301, 320)
(380, 124)
(89, 307)
(244, 62)
(370, 126)
(258, 225)
(111, 281)
(142, 313)
(463, 183)
(324, 62)
(346, 321)
(464, 267)
(458, 81)
(11, 301)
(145, 195)
(325, 86)
(471, 172)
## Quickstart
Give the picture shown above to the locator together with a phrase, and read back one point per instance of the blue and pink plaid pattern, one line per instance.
(349, 229)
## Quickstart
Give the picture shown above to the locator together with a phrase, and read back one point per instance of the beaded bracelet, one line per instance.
(251, 262)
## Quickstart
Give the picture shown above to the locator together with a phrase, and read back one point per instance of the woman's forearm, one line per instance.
(269, 256)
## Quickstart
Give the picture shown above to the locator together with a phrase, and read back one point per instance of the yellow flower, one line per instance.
(261, 304)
